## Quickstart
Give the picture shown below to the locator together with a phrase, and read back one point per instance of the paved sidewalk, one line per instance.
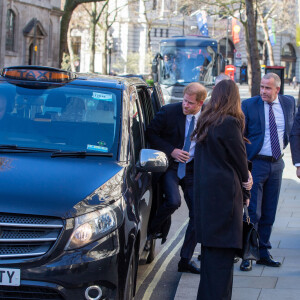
(265, 283)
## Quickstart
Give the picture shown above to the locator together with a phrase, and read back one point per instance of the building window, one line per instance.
(154, 4)
(161, 33)
(155, 32)
(10, 30)
(50, 40)
(167, 32)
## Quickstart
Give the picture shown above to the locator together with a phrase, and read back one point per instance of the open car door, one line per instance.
(157, 97)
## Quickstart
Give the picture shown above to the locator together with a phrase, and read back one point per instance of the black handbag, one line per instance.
(250, 248)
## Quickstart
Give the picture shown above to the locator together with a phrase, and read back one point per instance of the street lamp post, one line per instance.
(226, 51)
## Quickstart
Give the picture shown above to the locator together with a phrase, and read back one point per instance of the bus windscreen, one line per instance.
(185, 64)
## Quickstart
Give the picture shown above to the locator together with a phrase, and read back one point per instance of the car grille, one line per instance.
(32, 293)
(24, 236)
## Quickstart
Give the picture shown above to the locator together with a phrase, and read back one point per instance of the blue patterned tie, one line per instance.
(186, 147)
(275, 146)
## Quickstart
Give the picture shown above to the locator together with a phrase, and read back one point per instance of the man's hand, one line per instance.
(298, 172)
(248, 185)
(180, 155)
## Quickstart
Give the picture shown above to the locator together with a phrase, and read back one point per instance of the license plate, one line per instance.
(9, 276)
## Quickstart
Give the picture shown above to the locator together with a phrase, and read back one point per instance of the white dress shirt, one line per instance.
(279, 119)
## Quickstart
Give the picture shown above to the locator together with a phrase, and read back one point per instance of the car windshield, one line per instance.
(182, 65)
(65, 118)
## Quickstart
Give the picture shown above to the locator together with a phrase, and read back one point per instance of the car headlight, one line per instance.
(95, 225)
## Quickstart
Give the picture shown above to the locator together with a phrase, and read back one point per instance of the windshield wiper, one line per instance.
(23, 149)
(80, 154)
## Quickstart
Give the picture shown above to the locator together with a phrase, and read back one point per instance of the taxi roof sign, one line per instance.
(34, 73)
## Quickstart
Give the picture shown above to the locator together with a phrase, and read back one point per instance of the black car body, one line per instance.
(75, 184)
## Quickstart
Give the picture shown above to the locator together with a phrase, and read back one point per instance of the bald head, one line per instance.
(221, 77)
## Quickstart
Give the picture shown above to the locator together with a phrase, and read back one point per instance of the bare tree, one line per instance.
(69, 7)
(242, 11)
(109, 18)
(252, 48)
(95, 13)
(279, 12)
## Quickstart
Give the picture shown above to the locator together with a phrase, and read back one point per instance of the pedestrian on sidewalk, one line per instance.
(170, 131)
(220, 168)
(269, 118)
(294, 82)
(295, 143)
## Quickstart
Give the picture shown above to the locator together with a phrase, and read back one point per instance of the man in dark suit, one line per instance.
(170, 132)
(295, 143)
(269, 118)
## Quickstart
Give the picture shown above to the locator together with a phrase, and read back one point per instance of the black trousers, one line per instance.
(216, 273)
(171, 185)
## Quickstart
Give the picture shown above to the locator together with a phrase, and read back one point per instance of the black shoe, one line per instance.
(268, 261)
(236, 259)
(189, 267)
(246, 265)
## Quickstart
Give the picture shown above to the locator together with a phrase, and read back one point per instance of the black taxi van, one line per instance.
(75, 183)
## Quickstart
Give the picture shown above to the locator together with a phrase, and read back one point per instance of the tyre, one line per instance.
(130, 283)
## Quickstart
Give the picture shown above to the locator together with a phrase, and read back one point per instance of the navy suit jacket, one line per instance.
(253, 109)
(167, 130)
(295, 139)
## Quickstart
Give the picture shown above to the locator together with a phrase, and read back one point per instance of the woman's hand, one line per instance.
(248, 185)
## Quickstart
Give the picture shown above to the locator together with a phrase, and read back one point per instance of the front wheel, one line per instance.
(129, 290)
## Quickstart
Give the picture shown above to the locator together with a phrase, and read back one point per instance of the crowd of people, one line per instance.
(212, 148)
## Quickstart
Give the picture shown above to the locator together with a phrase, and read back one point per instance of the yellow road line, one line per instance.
(161, 270)
(150, 267)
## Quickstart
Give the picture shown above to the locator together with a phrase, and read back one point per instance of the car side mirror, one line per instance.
(152, 161)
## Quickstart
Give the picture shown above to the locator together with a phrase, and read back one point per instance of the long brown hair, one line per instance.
(225, 101)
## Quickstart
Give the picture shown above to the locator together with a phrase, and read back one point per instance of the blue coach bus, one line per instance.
(184, 59)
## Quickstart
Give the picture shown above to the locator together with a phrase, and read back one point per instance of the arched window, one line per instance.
(288, 60)
(230, 50)
(10, 30)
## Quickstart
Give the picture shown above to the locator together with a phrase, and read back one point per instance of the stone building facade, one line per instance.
(25, 24)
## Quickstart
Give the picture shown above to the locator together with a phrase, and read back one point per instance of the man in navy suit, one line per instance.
(269, 119)
(295, 143)
(170, 132)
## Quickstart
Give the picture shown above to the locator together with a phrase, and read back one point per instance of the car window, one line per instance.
(68, 117)
(136, 127)
(146, 105)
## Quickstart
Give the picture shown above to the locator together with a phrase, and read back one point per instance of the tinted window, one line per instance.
(136, 128)
(66, 118)
(186, 64)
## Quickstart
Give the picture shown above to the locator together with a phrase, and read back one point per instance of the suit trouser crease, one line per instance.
(267, 178)
(171, 184)
(216, 277)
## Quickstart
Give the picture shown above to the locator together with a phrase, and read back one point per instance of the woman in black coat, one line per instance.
(220, 169)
